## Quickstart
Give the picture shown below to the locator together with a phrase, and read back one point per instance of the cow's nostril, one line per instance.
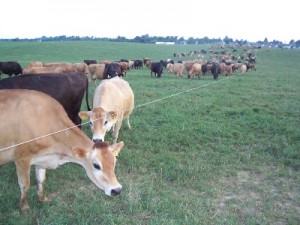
(97, 140)
(116, 191)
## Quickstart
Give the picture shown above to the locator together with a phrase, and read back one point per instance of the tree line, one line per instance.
(153, 39)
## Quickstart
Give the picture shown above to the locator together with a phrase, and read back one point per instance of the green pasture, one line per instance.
(199, 152)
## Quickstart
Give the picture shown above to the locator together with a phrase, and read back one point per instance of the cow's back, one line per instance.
(114, 94)
(21, 111)
(67, 88)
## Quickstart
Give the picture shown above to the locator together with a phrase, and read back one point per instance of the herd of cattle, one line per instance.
(40, 123)
(41, 117)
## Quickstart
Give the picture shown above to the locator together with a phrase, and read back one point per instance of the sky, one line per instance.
(252, 20)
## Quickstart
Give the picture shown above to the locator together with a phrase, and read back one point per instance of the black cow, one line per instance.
(66, 88)
(215, 70)
(10, 68)
(138, 64)
(89, 61)
(112, 70)
(157, 69)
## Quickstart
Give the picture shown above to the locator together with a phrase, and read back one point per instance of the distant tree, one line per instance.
(291, 41)
(227, 40)
(266, 41)
(190, 40)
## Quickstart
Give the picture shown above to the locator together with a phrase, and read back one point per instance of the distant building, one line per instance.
(164, 43)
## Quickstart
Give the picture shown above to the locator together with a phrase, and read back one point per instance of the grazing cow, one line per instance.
(195, 70)
(112, 70)
(124, 67)
(10, 68)
(35, 130)
(113, 102)
(216, 70)
(89, 61)
(66, 88)
(157, 69)
(178, 69)
(138, 64)
(95, 72)
(250, 66)
(243, 69)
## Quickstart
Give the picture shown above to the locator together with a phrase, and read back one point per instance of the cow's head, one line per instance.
(99, 163)
(101, 121)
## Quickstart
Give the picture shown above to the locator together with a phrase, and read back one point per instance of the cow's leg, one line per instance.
(40, 177)
(23, 173)
(128, 124)
(115, 133)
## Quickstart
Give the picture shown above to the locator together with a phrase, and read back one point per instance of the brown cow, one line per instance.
(44, 136)
(113, 102)
(95, 72)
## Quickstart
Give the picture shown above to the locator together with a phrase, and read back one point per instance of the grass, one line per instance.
(200, 152)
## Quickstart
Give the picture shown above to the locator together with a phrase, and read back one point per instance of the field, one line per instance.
(199, 152)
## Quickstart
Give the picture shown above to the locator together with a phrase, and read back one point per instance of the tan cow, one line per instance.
(67, 67)
(35, 130)
(113, 102)
(95, 72)
(42, 70)
(195, 70)
(34, 64)
(80, 67)
(243, 69)
(178, 69)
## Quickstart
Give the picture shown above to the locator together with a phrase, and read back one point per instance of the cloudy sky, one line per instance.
(248, 20)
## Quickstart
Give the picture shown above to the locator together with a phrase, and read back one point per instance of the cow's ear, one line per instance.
(112, 116)
(80, 153)
(84, 115)
(116, 148)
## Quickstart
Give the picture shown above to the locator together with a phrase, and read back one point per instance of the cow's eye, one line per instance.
(105, 122)
(91, 123)
(96, 166)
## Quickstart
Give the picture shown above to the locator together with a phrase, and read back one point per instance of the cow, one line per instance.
(34, 64)
(113, 102)
(177, 68)
(157, 69)
(42, 70)
(67, 67)
(138, 64)
(215, 70)
(80, 67)
(95, 71)
(195, 70)
(124, 67)
(35, 130)
(112, 70)
(243, 69)
(10, 68)
(66, 88)
(89, 61)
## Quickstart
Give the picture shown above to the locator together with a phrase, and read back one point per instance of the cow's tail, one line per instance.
(87, 95)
